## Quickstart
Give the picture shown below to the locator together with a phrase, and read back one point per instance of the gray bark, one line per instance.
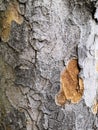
(52, 33)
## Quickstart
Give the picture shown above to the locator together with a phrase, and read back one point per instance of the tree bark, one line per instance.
(33, 56)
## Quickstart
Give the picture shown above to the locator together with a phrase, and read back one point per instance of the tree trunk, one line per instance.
(38, 39)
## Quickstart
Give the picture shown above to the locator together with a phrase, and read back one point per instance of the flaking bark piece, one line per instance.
(72, 86)
(12, 13)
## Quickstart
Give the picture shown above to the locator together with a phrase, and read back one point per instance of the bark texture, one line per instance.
(52, 33)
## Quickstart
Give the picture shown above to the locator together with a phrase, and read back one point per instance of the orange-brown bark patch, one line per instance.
(12, 13)
(71, 85)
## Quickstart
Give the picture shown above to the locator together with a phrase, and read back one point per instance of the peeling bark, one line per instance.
(72, 86)
(52, 33)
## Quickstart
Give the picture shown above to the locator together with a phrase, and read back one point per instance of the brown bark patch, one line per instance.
(72, 87)
(12, 13)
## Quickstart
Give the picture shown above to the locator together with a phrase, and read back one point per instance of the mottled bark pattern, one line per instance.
(53, 32)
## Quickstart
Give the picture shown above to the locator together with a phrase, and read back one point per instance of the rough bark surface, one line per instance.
(53, 32)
